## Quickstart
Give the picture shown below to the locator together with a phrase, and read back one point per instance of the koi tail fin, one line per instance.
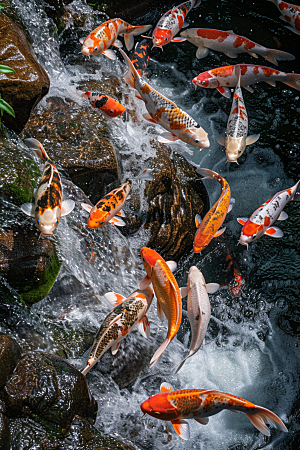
(183, 361)
(262, 416)
(145, 175)
(85, 371)
(37, 147)
(207, 173)
(159, 352)
(131, 75)
(273, 56)
(293, 81)
(197, 3)
(134, 31)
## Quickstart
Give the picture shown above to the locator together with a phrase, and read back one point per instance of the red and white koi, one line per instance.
(209, 227)
(198, 308)
(167, 293)
(237, 126)
(223, 78)
(231, 45)
(49, 206)
(111, 204)
(199, 404)
(290, 13)
(164, 112)
(119, 322)
(100, 39)
(108, 105)
(171, 22)
(261, 221)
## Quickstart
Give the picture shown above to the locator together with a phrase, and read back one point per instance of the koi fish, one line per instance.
(119, 322)
(209, 227)
(167, 293)
(107, 104)
(261, 221)
(171, 22)
(231, 45)
(290, 13)
(48, 207)
(141, 56)
(111, 204)
(164, 112)
(222, 78)
(233, 278)
(198, 308)
(100, 39)
(237, 126)
(199, 404)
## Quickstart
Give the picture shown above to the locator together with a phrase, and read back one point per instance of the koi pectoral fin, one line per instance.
(165, 387)
(167, 138)
(144, 327)
(203, 420)
(114, 298)
(274, 232)
(251, 139)
(146, 281)
(242, 220)
(212, 287)
(28, 208)
(221, 140)
(86, 207)
(283, 216)
(172, 265)
(219, 232)
(117, 221)
(67, 207)
(115, 348)
(110, 54)
(224, 91)
(178, 39)
(183, 291)
(182, 428)
(148, 117)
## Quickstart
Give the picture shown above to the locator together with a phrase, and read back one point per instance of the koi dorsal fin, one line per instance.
(165, 387)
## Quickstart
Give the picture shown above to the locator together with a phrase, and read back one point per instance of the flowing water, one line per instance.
(246, 352)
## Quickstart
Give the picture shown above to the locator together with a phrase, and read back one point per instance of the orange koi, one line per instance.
(100, 39)
(199, 404)
(209, 227)
(167, 293)
(107, 104)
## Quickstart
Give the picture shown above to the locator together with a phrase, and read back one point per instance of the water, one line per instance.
(246, 352)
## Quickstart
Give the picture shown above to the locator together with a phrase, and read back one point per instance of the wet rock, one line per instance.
(77, 140)
(4, 430)
(49, 390)
(28, 85)
(10, 353)
(175, 197)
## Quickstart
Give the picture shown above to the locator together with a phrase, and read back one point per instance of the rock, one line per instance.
(175, 197)
(4, 430)
(49, 390)
(28, 85)
(10, 353)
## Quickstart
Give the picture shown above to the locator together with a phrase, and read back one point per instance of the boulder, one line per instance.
(175, 197)
(28, 85)
(10, 353)
(4, 430)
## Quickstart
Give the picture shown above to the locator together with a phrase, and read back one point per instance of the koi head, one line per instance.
(250, 233)
(205, 80)
(196, 137)
(234, 148)
(201, 241)
(195, 275)
(160, 407)
(149, 258)
(97, 219)
(47, 221)
(111, 107)
(161, 37)
(91, 46)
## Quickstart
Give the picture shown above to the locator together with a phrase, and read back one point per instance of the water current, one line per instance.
(246, 352)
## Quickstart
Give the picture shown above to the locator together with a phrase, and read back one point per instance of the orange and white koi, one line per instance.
(164, 112)
(100, 39)
(231, 45)
(199, 404)
(111, 204)
(141, 55)
(107, 104)
(198, 308)
(209, 227)
(237, 126)
(261, 221)
(223, 78)
(49, 206)
(290, 13)
(171, 22)
(119, 322)
(167, 293)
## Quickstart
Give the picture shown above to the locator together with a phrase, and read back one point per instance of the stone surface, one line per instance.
(175, 197)
(27, 86)
(4, 432)
(10, 353)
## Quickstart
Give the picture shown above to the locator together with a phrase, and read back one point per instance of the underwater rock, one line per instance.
(79, 142)
(175, 198)
(4, 430)
(41, 386)
(10, 353)
(28, 85)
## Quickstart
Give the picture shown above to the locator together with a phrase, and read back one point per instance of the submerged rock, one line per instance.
(28, 85)
(10, 353)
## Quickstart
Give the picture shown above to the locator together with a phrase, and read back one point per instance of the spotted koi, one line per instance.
(105, 35)
(107, 104)
(223, 78)
(141, 55)
(119, 322)
(167, 293)
(49, 206)
(164, 112)
(261, 221)
(230, 44)
(171, 22)
(209, 227)
(290, 14)
(199, 404)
